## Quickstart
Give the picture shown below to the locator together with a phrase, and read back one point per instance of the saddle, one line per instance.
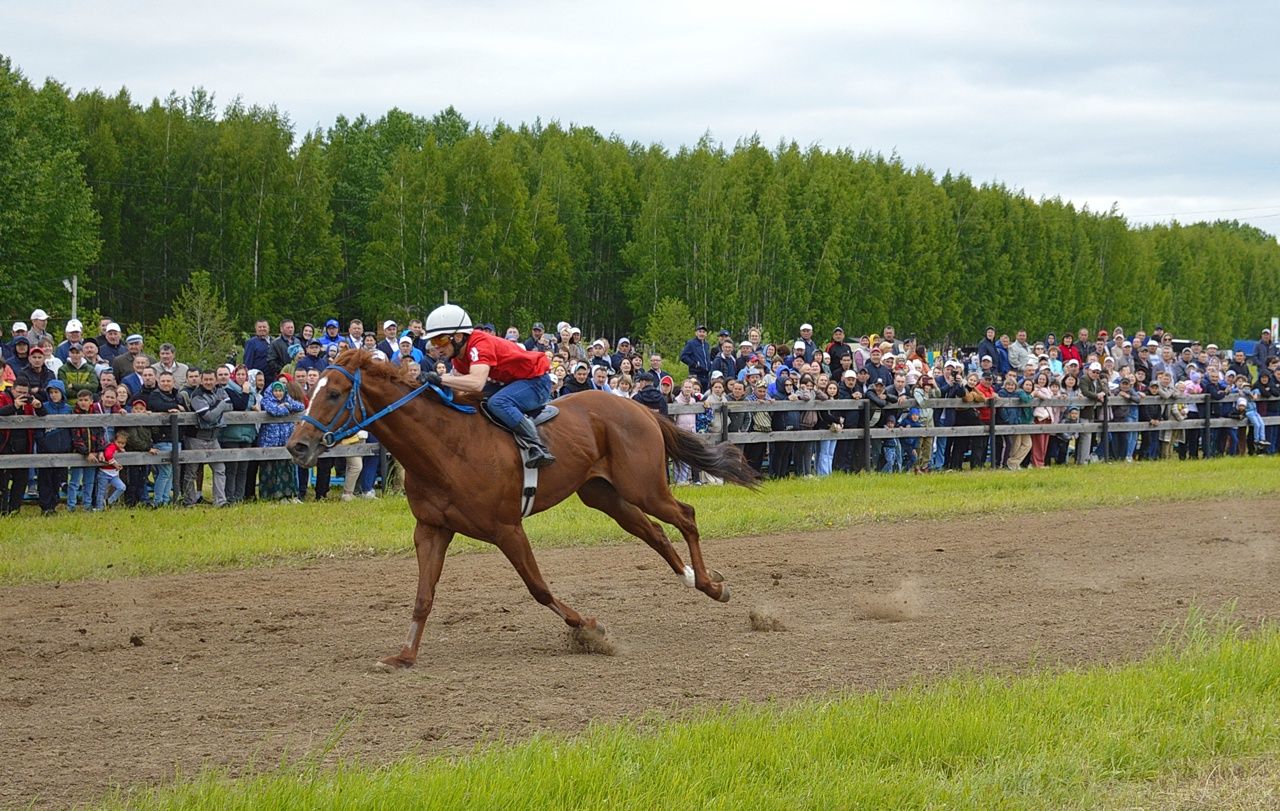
(546, 414)
(530, 487)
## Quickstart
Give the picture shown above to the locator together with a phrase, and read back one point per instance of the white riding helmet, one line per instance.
(446, 320)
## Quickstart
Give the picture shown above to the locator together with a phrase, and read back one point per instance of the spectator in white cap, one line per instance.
(574, 345)
(122, 364)
(807, 344)
(110, 346)
(19, 330)
(390, 343)
(39, 327)
(74, 333)
(599, 356)
(406, 350)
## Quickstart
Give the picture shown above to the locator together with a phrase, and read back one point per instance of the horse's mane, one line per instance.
(352, 359)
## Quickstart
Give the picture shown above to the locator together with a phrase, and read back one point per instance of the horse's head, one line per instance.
(336, 402)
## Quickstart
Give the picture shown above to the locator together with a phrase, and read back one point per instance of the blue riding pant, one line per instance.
(516, 399)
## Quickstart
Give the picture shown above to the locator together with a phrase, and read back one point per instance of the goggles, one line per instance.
(439, 340)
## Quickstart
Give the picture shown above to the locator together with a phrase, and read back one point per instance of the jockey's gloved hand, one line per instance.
(429, 376)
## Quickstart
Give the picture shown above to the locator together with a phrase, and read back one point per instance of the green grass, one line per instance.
(123, 543)
(1096, 738)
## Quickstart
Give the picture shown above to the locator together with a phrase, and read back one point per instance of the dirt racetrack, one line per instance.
(121, 683)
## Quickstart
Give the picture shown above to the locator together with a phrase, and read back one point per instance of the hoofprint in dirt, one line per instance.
(125, 682)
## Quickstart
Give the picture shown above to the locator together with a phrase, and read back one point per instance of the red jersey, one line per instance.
(507, 360)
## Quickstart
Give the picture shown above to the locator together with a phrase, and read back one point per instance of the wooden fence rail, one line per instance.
(1103, 426)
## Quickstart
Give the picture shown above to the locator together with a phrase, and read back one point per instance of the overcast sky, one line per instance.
(1164, 108)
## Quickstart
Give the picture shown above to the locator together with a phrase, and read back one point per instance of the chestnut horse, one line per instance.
(464, 474)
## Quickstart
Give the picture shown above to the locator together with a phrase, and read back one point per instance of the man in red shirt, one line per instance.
(517, 379)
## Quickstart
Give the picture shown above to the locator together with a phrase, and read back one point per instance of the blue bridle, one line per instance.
(353, 417)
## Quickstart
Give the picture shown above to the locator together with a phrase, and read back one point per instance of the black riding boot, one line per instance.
(527, 435)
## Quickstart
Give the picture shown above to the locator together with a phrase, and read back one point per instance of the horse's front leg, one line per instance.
(430, 543)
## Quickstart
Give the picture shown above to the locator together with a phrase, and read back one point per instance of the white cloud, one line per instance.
(1156, 105)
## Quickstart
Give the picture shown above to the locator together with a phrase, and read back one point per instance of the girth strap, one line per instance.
(530, 482)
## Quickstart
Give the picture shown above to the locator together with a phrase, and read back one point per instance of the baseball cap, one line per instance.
(700, 328)
(36, 349)
(405, 339)
(332, 322)
(388, 323)
(538, 325)
(724, 333)
(667, 379)
(39, 315)
(804, 327)
(717, 373)
(19, 326)
(986, 357)
(1095, 367)
(112, 327)
(837, 329)
(799, 345)
(850, 373)
(574, 331)
(597, 342)
(74, 325)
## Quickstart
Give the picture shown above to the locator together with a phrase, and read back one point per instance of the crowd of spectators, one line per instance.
(1125, 380)
(1130, 380)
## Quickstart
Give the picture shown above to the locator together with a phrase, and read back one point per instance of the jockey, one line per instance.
(483, 362)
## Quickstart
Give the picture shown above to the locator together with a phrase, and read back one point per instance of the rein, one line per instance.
(354, 417)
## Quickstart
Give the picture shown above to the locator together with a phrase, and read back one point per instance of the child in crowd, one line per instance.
(1257, 429)
(1072, 417)
(914, 418)
(52, 440)
(139, 441)
(109, 472)
(88, 442)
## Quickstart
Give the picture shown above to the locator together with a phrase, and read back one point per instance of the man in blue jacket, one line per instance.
(697, 357)
(257, 349)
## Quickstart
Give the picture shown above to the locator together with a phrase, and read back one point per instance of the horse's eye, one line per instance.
(333, 395)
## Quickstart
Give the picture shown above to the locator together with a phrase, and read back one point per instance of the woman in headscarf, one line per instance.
(278, 478)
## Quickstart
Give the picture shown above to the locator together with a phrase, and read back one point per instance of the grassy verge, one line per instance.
(1096, 738)
(122, 543)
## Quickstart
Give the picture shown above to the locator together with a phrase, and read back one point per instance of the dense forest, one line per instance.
(375, 219)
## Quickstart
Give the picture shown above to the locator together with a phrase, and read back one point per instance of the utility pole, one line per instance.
(72, 286)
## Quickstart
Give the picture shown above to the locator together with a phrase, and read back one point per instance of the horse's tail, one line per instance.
(723, 460)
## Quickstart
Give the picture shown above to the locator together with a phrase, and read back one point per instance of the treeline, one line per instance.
(541, 222)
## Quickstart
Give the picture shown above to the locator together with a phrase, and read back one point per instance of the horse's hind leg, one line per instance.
(515, 545)
(602, 495)
(664, 506)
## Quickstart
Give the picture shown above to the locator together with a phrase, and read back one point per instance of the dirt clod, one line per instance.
(765, 619)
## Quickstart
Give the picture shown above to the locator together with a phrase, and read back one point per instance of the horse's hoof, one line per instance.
(392, 664)
(725, 591)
